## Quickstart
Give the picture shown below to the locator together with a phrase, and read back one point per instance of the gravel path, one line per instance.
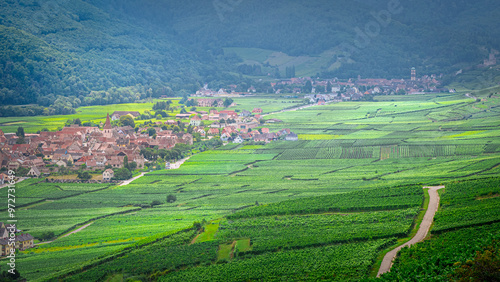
(66, 235)
(421, 233)
(77, 230)
(6, 184)
(127, 182)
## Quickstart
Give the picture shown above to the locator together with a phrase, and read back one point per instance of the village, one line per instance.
(338, 90)
(84, 148)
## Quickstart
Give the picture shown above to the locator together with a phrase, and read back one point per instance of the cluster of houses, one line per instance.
(91, 148)
(22, 241)
(355, 89)
(231, 91)
(75, 146)
(232, 126)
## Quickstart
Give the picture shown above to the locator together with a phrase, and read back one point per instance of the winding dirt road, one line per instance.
(421, 233)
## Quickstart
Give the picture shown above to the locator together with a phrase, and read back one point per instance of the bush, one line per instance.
(46, 236)
(171, 198)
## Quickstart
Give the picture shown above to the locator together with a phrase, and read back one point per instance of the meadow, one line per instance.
(90, 113)
(351, 187)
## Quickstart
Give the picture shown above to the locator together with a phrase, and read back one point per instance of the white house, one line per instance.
(238, 139)
(225, 137)
(202, 132)
(107, 175)
(34, 172)
(195, 121)
(292, 137)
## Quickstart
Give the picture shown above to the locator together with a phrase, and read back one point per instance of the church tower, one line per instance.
(413, 74)
(108, 130)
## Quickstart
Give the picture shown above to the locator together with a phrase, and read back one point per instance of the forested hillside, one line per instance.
(434, 36)
(72, 48)
(89, 48)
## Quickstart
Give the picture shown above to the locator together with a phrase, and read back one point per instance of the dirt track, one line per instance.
(421, 233)
(66, 235)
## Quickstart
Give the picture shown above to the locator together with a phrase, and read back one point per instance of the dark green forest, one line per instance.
(114, 51)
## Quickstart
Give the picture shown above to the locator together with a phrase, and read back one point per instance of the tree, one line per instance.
(127, 120)
(151, 131)
(155, 203)
(77, 121)
(401, 92)
(22, 171)
(20, 134)
(328, 87)
(308, 87)
(484, 267)
(85, 175)
(171, 198)
(162, 113)
(228, 102)
(46, 235)
(122, 174)
(277, 73)
(132, 166)
(125, 163)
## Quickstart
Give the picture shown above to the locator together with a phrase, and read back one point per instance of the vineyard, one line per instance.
(439, 258)
(293, 232)
(135, 263)
(349, 262)
(359, 150)
(469, 203)
(366, 200)
(323, 207)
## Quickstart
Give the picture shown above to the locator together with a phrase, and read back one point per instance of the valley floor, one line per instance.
(323, 207)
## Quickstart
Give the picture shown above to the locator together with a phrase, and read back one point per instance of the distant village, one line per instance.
(337, 90)
(76, 148)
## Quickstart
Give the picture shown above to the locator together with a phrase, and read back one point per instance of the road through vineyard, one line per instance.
(422, 231)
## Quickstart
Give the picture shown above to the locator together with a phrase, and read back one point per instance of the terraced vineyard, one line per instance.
(466, 227)
(324, 207)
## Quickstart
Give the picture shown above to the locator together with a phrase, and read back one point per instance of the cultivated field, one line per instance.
(325, 206)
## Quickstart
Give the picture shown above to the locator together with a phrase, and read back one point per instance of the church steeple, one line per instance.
(107, 125)
(108, 130)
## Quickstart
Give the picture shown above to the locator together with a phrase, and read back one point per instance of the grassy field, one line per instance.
(304, 65)
(90, 113)
(346, 150)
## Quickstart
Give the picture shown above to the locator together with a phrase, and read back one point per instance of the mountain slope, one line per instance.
(433, 36)
(72, 48)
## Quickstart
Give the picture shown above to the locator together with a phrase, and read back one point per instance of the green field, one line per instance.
(90, 113)
(304, 65)
(349, 189)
